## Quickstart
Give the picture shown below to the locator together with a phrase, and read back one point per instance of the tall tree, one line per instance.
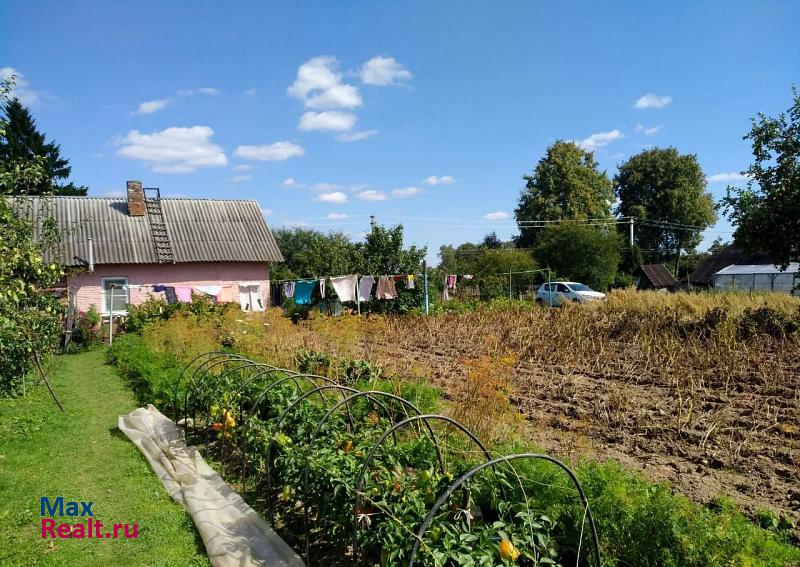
(566, 184)
(23, 142)
(767, 212)
(30, 324)
(311, 253)
(587, 254)
(665, 192)
(383, 252)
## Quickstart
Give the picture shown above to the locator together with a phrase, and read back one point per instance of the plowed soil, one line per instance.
(735, 436)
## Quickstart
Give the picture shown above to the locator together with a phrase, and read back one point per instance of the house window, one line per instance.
(116, 295)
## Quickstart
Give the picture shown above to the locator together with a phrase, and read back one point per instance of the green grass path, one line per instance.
(82, 456)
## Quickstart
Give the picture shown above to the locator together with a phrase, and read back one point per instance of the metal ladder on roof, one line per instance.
(158, 227)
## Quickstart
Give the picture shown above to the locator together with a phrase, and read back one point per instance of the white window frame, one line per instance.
(126, 287)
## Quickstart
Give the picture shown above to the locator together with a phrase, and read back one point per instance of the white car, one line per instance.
(555, 294)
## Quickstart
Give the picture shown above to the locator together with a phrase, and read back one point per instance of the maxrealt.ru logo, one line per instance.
(88, 529)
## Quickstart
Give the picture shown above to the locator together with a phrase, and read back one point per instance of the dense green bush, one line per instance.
(151, 376)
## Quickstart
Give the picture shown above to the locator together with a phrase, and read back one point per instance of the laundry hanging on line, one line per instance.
(227, 294)
(184, 294)
(322, 287)
(386, 288)
(212, 290)
(365, 287)
(303, 290)
(345, 287)
(288, 289)
(170, 294)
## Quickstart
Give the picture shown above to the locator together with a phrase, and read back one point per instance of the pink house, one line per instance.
(123, 251)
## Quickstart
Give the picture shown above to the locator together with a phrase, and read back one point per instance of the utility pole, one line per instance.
(630, 231)
(425, 283)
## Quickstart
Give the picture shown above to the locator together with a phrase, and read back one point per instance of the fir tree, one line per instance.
(22, 142)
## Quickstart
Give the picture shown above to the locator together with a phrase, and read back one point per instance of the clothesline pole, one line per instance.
(425, 279)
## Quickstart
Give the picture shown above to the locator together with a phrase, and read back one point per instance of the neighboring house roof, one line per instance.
(200, 230)
(728, 255)
(746, 269)
(658, 275)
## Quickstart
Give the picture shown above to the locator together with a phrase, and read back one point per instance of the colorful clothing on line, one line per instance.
(226, 295)
(386, 288)
(451, 281)
(410, 281)
(184, 294)
(212, 290)
(303, 290)
(169, 293)
(345, 287)
(365, 288)
(288, 289)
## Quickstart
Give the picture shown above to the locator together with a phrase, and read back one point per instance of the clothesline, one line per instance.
(330, 277)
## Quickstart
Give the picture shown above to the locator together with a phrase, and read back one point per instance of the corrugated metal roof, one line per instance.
(793, 268)
(659, 275)
(200, 230)
(730, 254)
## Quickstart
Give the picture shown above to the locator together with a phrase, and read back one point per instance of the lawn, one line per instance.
(82, 456)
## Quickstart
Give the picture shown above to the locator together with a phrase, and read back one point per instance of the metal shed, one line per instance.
(757, 277)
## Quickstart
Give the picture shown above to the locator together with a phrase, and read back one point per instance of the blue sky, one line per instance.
(417, 112)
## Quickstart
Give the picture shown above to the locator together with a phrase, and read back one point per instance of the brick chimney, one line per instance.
(136, 206)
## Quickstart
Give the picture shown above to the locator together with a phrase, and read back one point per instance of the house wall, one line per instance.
(88, 287)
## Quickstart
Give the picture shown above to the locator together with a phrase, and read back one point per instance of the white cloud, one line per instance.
(239, 178)
(438, 180)
(267, 212)
(174, 150)
(356, 136)
(208, 91)
(319, 85)
(331, 120)
(371, 195)
(317, 74)
(279, 151)
(645, 130)
(406, 192)
(22, 90)
(185, 92)
(324, 186)
(249, 92)
(339, 96)
(382, 71)
(651, 100)
(336, 216)
(599, 140)
(242, 167)
(497, 215)
(151, 106)
(291, 182)
(733, 176)
(336, 197)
